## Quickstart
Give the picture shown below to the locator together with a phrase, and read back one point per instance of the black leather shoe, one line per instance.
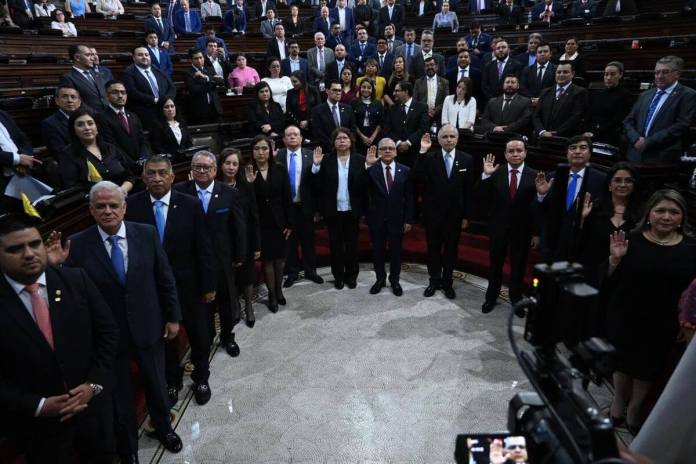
(173, 394)
(379, 285)
(273, 307)
(128, 459)
(351, 284)
(289, 280)
(429, 291)
(282, 301)
(250, 316)
(201, 392)
(314, 277)
(396, 289)
(449, 293)
(170, 441)
(487, 307)
(338, 284)
(231, 347)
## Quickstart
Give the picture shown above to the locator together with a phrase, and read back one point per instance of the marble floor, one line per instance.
(348, 377)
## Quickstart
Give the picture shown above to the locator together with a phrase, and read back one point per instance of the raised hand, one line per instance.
(489, 166)
(372, 157)
(542, 185)
(56, 250)
(250, 174)
(618, 246)
(587, 205)
(426, 142)
(318, 155)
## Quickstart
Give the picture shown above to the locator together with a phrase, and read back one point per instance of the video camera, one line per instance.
(559, 422)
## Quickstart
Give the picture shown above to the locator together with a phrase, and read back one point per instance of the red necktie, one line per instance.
(39, 306)
(390, 179)
(547, 17)
(124, 121)
(513, 183)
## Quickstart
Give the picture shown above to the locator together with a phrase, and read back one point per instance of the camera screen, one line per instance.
(492, 448)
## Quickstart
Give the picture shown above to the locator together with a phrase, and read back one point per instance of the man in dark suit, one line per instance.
(146, 85)
(278, 46)
(492, 76)
(393, 42)
(548, 11)
(129, 267)
(476, 7)
(164, 29)
(405, 122)
(586, 9)
(509, 12)
(529, 57)
(510, 112)
(324, 24)
(394, 14)
(294, 62)
(418, 62)
(186, 20)
(181, 228)
(561, 109)
(297, 162)
(236, 18)
(539, 76)
(261, 7)
(620, 8)
(54, 129)
(58, 346)
(121, 127)
(464, 69)
(661, 116)
(203, 102)
(561, 203)
(384, 58)
(90, 86)
(366, 16)
(227, 229)
(479, 42)
(344, 17)
(218, 61)
(329, 115)
(98, 68)
(423, 90)
(389, 212)
(510, 195)
(446, 177)
(334, 37)
(159, 57)
(409, 49)
(361, 50)
(335, 68)
(23, 13)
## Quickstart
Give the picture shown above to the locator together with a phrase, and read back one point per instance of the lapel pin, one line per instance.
(58, 293)
(216, 195)
(174, 206)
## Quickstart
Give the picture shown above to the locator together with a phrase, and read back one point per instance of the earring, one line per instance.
(647, 223)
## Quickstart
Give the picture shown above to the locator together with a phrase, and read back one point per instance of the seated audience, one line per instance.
(55, 133)
(202, 100)
(236, 18)
(459, 110)
(300, 101)
(43, 9)
(294, 24)
(620, 8)
(242, 75)
(210, 8)
(109, 8)
(609, 107)
(89, 159)
(159, 57)
(59, 23)
(509, 112)
(371, 72)
(586, 9)
(265, 115)
(77, 8)
(561, 109)
(446, 19)
(278, 83)
(170, 134)
(571, 54)
(368, 114)
(186, 20)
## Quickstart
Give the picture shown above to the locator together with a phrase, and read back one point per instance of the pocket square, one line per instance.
(222, 210)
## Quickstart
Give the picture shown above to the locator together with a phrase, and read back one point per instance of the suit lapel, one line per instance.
(133, 240)
(172, 214)
(56, 294)
(378, 175)
(14, 308)
(100, 252)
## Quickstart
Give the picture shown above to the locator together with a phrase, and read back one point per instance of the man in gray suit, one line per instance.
(516, 115)
(89, 84)
(319, 57)
(424, 86)
(661, 116)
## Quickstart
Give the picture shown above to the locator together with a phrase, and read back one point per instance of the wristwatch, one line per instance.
(96, 388)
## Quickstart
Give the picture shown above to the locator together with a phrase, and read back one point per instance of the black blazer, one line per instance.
(258, 116)
(564, 116)
(133, 144)
(163, 140)
(530, 85)
(394, 208)
(506, 216)
(375, 116)
(199, 91)
(398, 18)
(445, 200)
(490, 84)
(55, 133)
(306, 191)
(323, 123)
(273, 199)
(85, 338)
(247, 202)
(258, 9)
(165, 34)
(474, 75)
(140, 98)
(92, 94)
(292, 109)
(149, 298)
(326, 185)
(410, 128)
(186, 242)
(292, 29)
(273, 50)
(517, 116)
(73, 168)
(331, 72)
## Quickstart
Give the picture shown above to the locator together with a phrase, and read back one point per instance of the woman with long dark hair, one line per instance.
(300, 101)
(231, 171)
(368, 114)
(459, 110)
(265, 115)
(348, 90)
(399, 74)
(170, 134)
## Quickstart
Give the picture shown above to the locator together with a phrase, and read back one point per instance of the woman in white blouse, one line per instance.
(109, 8)
(43, 9)
(459, 109)
(59, 23)
(279, 84)
(170, 135)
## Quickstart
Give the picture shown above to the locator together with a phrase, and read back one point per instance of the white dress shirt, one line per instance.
(432, 90)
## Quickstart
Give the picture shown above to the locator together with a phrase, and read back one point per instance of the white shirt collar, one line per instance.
(165, 199)
(384, 165)
(117, 110)
(19, 287)
(519, 168)
(580, 173)
(208, 189)
(444, 153)
(120, 234)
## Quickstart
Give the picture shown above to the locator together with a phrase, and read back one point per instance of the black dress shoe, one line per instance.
(250, 316)
(289, 280)
(273, 307)
(201, 392)
(338, 284)
(173, 394)
(231, 347)
(379, 285)
(314, 277)
(351, 284)
(128, 459)
(170, 441)
(429, 291)
(282, 301)
(449, 293)
(487, 307)
(396, 289)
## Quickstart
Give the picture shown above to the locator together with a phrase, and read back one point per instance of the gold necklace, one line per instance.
(652, 238)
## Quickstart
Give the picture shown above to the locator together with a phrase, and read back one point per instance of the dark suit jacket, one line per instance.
(292, 110)
(350, 22)
(564, 116)
(491, 85)
(164, 63)
(166, 34)
(429, 7)
(140, 98)
(474, 75)
(508, 16)
(163, 141)
(483, 42)
(186, 242)
(473, 6)
(556, 7)
(320, 25)
(418, 65)
(530, 85)
(505, 215)
(85, 338)
(445, 200)
(133, 144)
(236, 18)
(20, 16)
(180, 22)
(587, 11)
(273, 50)
(670, 123)
(517, 117)
(385, 70)
(325, 183)
(331, 72)
(323, 123)
(199, 92)
(420, 92)
(149, 298)
(358, 57)
(202, 44)
(54, 133)
(92, 94)
(258, 116)
(18, 137)
(258, 9)
(306, 194)
(395, 208)
(398, 18)
(410, 128)
(273, 200)
(628, 7)
(285, 67)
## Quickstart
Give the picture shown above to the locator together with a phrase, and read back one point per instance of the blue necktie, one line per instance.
(159, 219)
(203, 195)
(117, 260)
(293, 181)
(448, 164)
(153, 84)
(187, 22)
(572, 186)
(651, 112)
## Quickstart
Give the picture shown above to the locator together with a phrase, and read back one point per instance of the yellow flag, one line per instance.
(29, 209)
(92, 173)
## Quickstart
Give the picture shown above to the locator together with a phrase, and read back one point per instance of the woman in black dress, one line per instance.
(293, 25)
(399, 73)
(300, 101)
(368, 114)
(609, 107)
(265, 115)
(170, 135)
(272, 188)
(232, 172)
(647, 272)
(88, 159)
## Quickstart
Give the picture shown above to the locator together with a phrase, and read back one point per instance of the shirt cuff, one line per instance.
(15, 159)
(540, 196)
(485, 176)
(38, 408)
(315, 168)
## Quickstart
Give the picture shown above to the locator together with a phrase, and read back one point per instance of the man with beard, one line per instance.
(431, 89)
(561, 109)
(510, 112)
(494, 72)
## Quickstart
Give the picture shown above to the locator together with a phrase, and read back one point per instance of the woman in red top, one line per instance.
(300, 101)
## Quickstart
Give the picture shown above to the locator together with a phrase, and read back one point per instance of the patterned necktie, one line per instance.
(42, 315)
(293, 181)
(572, 186)
(652, 110)
(117, 260)
(513, 183)
(540, 73)
(559, 93)
(462, 74)
(390, 179)
(159, 219)
(336, 117)
(501, 66)
(124, 121)
(448, 164)
(153, 84)
(203, 195)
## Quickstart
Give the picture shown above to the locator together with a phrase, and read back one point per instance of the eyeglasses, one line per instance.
(201, 168)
